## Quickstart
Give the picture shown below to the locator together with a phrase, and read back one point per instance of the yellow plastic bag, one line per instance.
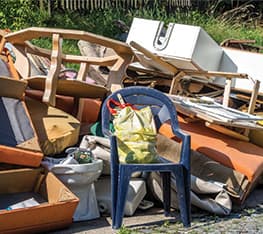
(136, 135)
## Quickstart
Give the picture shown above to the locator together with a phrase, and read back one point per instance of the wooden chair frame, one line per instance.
(21, 41)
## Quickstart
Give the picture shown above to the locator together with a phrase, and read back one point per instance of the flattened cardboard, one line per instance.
(18, 140)
(56, 213)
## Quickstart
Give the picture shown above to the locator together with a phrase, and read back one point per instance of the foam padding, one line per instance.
(55, 128)
(244, 157)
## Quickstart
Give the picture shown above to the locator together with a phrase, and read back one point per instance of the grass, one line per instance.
(101, 22)
(230, 24)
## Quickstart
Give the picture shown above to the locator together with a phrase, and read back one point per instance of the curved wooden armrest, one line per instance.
(20, 37)
(118, 62)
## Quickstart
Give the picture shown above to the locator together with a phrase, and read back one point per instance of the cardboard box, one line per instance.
(18, 140)
(56, 207)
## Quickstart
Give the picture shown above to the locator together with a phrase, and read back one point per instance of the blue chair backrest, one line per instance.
(162, 107)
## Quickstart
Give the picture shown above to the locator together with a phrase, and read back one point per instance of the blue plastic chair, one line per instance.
(163, 110)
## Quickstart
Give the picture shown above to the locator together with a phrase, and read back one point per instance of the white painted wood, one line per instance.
(246, 62)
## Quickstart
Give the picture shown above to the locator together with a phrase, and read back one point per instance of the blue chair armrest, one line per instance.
(114, 151)
(186, 149)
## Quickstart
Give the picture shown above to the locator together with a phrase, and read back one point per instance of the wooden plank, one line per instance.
(246, 98)
(227, 91)
(155, 58)
(22, 63)
(175, 82)
(252, 102)
(227, 131)
(118, 72)
(216, 74)
(49, 95)
(105, 61)
(253, 98)
(82, 71)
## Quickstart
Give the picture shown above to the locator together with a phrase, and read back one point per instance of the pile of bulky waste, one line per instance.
(60, 152)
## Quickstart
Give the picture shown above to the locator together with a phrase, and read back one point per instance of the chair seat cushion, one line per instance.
(55, 128)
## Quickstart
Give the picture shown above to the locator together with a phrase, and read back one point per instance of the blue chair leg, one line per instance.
(183, 196)
(114, 193)
(123, 185)
(187, 187)
(166, 176)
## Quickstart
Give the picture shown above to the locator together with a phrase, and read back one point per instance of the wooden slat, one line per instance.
(252, 102)
(175, 82)
(105, 61)
(155, 58)
(82, 71)
(227, 131)
(118, 72)
(216, 74)
(49, 95)
(227, 91)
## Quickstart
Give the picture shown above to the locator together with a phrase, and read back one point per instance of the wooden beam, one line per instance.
(253, 99)
(49, 95)
(84, 67)
(227, 131)
(105, 61)
(118, 72)
(252, 103)
(215, 73)
(155, 58)
(227, 91)
(175, 82)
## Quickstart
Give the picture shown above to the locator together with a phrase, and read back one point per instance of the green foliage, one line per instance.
(18, 14)
(217, 19)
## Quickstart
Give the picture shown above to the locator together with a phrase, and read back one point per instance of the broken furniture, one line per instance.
(217, 115)
(78, 88)
(242, 156)
(185, 51)
(55, 129)
(34, 201)
(163, 109)
(18, 139)
(202, 115)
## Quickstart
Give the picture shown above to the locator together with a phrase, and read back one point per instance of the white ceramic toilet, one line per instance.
(79, 178)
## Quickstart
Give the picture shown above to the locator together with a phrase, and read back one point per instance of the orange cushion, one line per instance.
(244, 157)
(91, 107)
